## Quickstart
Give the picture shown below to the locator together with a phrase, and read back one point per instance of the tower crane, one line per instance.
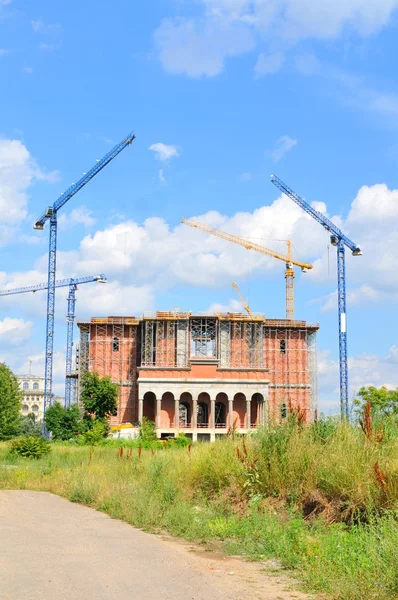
(287, 259)
(72, 284)
(51, 215)
(245, 304)
(338, 239)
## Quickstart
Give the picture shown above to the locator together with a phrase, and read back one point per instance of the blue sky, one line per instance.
(225, 92)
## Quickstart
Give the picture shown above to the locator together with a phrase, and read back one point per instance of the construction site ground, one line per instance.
(53, 548)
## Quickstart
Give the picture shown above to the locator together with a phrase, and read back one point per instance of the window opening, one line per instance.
(25, 385)
(185, 414)
(203, 414)
(282, 346)
(115, 345)
(283, 411)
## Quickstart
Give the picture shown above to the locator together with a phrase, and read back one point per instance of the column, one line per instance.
(248, 413)
(230, 411)
(140, 409)
(176, 413)
(212, 413)
(158, 410)
(194, 418)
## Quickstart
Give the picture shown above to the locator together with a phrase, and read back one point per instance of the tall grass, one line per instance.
(323, 500)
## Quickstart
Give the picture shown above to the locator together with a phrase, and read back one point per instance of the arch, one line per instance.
(149, 408)
(184, 414)
(25, 385)
(257, 400)
(203, 414)
(167, 410)
(115, 344)
(221, 410)
(239, 410)
(35, 408)
(35, 385)
(25, 408)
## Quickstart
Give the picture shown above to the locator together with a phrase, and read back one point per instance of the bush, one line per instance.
(30, 446)
(147, 430)
(96, 434)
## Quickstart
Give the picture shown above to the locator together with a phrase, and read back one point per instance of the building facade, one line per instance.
(32, 387)
(203, 374)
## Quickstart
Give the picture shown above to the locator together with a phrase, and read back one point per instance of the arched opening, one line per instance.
(167, 412)
(256, 403)
(282, 346)
(203, 414)
(185, 410)
(25, 385)
(185, 414)
(35, 408)
(203, 410)
(149, 406)
(115, 344)
(25, 408)
(239, 411)
(221, 410)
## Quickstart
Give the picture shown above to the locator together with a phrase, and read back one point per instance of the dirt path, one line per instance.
(54, 550)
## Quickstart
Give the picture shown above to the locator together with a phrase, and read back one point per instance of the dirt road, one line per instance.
(52, 549)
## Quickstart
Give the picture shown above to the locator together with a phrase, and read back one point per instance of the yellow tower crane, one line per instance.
(245, 304)
(287, 259)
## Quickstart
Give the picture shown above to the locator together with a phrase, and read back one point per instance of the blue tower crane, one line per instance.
(338, 239)
(72, 284)
(51, 215)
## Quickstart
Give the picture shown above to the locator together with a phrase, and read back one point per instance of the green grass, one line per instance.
(251, 498)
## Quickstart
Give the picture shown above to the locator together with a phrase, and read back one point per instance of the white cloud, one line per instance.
(18, 171)
(48, 47)
(162, 178)
(78, 216)
(28, 70)
(15, 331)
(225, 28)
(199, 48)
(5, 2)
(163, 152)
(282, 146)
(39, 26)
(267, 65)
(364, 370)
(233, 306)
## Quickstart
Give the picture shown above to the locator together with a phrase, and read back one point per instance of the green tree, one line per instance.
(64, 423)
(383, 402)
(10, 404)
(99, 395)
(29, 426)
(147, 430)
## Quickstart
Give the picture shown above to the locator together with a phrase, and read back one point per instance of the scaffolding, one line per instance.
(241, 344)
(108, 346)
(165, 341)
(291, 358)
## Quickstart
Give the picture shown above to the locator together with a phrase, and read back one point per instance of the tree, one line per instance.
(10, 404)
(383, 402)
(63, 423)
(29, 425)
(99, 396)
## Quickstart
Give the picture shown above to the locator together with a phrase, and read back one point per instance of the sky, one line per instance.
(220, 94)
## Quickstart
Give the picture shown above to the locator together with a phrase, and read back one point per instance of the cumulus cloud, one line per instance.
(15, 331)
(18, 171)
(163, 152)
(225, 28)
(78, 216)
(268, 64)
(282, 146)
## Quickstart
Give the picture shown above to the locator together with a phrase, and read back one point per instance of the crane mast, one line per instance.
(72, 284)
(287, 259)
(338, 239)
(51, 215)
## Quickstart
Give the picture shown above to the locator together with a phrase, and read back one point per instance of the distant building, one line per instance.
(33, 395)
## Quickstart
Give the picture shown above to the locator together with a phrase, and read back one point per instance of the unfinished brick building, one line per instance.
(203, 374)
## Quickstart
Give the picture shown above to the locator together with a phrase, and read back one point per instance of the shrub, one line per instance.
(147, 430)
(30, 446)
(96, 434)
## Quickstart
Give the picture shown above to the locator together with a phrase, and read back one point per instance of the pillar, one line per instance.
(194, 418)
(212, 413)
(158, 410)
(140, 409)
(248, 413)
(176, 413)
(230, 411)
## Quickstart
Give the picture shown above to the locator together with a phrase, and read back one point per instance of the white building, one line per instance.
(33, 395)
